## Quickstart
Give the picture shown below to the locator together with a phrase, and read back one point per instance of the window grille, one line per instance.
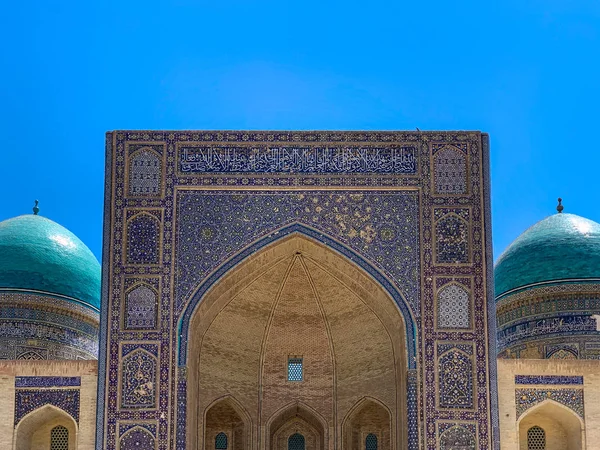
(59, 438)
(295, 369)
(371, 442)
(221, 441)
(296, 442)
(536, 439)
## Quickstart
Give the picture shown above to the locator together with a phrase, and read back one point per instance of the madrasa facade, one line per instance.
(299, 291)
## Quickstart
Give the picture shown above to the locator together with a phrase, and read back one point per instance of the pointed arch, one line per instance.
(142, 239)
(137, 438)
(293, 418)
(451, 240)
(228, 416)
(453, 310)
(145, 172)
(34, 429)
(368, 416)
(562, 426)
(138, 379)
(140, 307)
(320, 238)
(241, 302)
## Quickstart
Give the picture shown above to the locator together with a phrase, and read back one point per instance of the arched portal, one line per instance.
(296, 427)
(35, 430)
(298, 301)
(227, 426)
(550, 426)
(368, 427)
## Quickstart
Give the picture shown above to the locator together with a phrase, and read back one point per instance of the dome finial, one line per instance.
(35, 208)
(560, 207)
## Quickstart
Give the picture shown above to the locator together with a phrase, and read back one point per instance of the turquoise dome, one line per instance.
(40, 255)
(560, 248)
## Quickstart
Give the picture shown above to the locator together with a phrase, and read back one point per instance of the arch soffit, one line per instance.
(551, 404)
(297, 407)
(231, 401)
(270, 244)
(360, 404)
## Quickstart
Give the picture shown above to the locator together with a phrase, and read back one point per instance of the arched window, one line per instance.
(371, 442)
(221, 441)
(59, 438)
(536, 439)
(296, 442)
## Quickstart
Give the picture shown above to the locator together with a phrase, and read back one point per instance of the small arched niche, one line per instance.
(294, 424)
(35, 429)
(561, 428)
(367, 423)
(227, 426)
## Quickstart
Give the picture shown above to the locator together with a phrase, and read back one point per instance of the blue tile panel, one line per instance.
(28, 400)
(46, 382)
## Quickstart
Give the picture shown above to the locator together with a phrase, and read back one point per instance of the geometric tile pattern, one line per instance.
(439, 228)
(145, 173)
(454, 307)
(141, 307)
(450, 166)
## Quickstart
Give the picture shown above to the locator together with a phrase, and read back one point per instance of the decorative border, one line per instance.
(548, 379)
(46, 382)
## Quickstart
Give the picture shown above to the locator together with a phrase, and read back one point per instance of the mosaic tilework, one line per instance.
(454, 307)
(455, 374)
(452, 237)
(145, 172)
(172, 392)
(143, 237)
(548, 379)
(213, 226)
(571, 398)
(557, 318)
(138, 385)
(545, 328)
(457, 438)
(46, 382)
(27, 400)
(450, 169)
(141, 308)
(40, 327)
(136, 439)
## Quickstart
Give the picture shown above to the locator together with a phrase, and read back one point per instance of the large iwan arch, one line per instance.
(298, 300)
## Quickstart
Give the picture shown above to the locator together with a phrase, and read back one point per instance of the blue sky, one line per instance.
(528, 73)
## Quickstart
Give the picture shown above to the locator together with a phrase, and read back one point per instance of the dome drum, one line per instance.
(49, 292)
(548, 291)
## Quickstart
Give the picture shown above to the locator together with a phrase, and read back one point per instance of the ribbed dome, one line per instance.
(40, 255)
(562, 247)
